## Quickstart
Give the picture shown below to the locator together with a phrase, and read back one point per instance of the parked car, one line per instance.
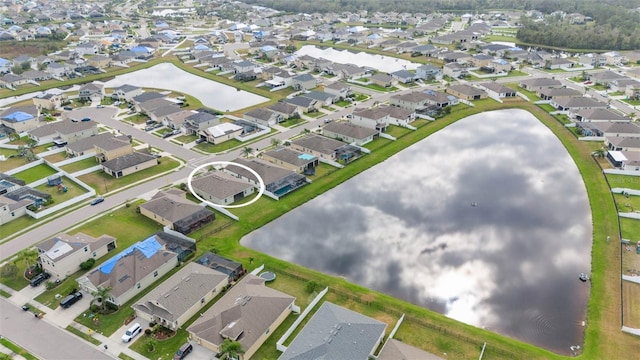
(134, 330)
(97, 200)
(183, 351)
(200, 140)
(68, 108)
(71, 299)
(39, 279)
(100, 106)
(86, 119)
(166, 135)
(150, 122)
(148, 128)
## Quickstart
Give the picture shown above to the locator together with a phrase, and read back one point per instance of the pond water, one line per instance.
(212, 94)
(486, 221)
(382, 63)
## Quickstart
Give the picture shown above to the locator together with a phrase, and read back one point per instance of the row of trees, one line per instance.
(613, 28)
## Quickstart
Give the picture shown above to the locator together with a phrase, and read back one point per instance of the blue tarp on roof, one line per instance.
(148, 248)
(18, 116)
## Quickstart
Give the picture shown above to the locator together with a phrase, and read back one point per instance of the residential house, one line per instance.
(91, 92)
(63, 132)
(372, 118)
(233, 269)
(129, 164)
(87, 48)
(324, 98)
(36, 75)
(146, 96)
(221, 188)
(222, 132)
(412, 101)
(47, 101)
(621, 85)
(176, 119)
(539, 83)
(335, 332)
(181, 296)
(277, 181)
(338, 89)
(384, 80)
(5, 66)
(126, 92)
(559, 63)
(397, 115)
(244, 66)
(616, 143)
(604, 77)
(89, 145)
(248, 313)
(440, 99)
(303, 104)
(323, 147)
(627, 160)
(135, 268)
(287, 111)
(262, 116)
(481, 60)
(454, 70)
(99, 61)
(304, 82)
(291, 160)
(497, 91)
(198, 122)
(550, 93)
(12, 80)
(498, 66)
(609, 129)
(573, 104)
(62, 254)
(346, 71)
(394, 349)
(58, 70)
(466, 92)
(11, 209)
(172, 209)
(109, 150)
(19, 121)
(600, 115)
(349, 133)
(428, 72)
(592, 59)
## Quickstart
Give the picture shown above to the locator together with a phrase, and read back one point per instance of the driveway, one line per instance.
(42, 338)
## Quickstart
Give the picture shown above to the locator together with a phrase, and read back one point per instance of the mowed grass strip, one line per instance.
(35, 173)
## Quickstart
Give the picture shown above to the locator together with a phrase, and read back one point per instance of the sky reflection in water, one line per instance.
(486, 221)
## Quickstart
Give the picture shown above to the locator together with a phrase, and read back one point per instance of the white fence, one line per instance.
(622, 172)
(303, 315)
(24, 167)
(264, 131)
(51, 152)
(74, 159)
(387, 136)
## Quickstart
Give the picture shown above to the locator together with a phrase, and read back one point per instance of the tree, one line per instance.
(247, 151)
(102, 293)
(275, 142)
(230, 349)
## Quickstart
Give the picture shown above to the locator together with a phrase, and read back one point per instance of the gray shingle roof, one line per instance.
(173, 208)
(395, 350)
(102, 141)
(289, 156)
(177, 294)
(319, 143)
(335, 332)
(219, 184)
(249, 308)
(349, 130)
(127, 161)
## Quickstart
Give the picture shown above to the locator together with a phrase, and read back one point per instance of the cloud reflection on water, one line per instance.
(486, 221)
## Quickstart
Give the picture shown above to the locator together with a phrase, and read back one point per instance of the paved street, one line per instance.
(42, 338)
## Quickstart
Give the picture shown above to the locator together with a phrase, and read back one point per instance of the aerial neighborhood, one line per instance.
(140, 141)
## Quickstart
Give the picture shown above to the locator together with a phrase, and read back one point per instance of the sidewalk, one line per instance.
(62, 318)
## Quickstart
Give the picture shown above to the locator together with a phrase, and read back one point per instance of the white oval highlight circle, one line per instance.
(224, 164)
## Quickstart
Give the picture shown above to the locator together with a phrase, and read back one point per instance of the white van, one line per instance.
(131, 332)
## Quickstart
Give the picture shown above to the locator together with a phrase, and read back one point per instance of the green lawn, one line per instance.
(80, 165)
(212, 149)
(16, 281)
(292, 122)
(630, 229)
(377, 143)
(14, 226)
(104, 183)
(137, 118)
(83, 335)
(624, 181)
(16, 349)
(57, 157)
(4, 294)
(186, 138)
(125, 224)
(627, 204)
(35, 173)
(315, 114)
(58, 195)
(397, 131)
(322, 170)
(10, 162)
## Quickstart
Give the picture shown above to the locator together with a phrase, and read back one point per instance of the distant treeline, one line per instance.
(427, 6)
(613, 27)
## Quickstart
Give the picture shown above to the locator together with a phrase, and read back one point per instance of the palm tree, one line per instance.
(275, 142)
(103, 294)
(230, 349)
(247, 151)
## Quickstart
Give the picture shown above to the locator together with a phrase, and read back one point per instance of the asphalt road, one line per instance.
(42, 339)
